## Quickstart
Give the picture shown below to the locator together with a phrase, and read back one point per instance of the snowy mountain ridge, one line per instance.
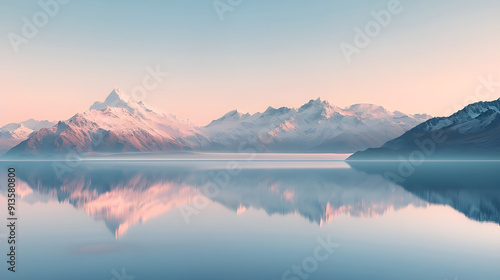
(471, 133)
(22, 129)
(316, 126)
(116, 125)
(119, 124)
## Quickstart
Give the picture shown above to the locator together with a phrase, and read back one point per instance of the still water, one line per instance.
(259, 219)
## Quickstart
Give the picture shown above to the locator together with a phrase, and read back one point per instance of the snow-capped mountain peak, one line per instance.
(116, 98)
(122, 124)
(118, 93)
(119, 99)
(315, 126)
(118, 124)
(234, 114)
(273, 111)
(314, 104)
(229, 117)
(23, 129)
(470, 133)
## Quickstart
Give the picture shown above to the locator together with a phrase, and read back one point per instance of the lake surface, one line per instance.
(264, 218)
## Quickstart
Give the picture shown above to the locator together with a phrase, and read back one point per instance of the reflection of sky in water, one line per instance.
(106, 216)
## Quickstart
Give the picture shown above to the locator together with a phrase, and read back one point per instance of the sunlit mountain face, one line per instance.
(124, 194)
(121, 124)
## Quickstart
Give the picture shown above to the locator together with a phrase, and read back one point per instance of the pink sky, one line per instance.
(428, 60)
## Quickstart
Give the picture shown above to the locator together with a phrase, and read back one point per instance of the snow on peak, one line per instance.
(232, 114)
(315, 126)
(271, 110)
(313, 104)
(120, 94)
(23, 129)
(117, 98)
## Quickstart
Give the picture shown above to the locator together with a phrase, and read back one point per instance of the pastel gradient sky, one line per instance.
(264, 53)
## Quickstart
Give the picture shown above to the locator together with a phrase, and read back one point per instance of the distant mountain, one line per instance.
(121, 125)
(316, 126)
(13, 133)
(471, 133)
(116, 125)
(23, 129)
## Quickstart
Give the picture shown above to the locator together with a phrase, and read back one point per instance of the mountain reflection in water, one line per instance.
(125, 194)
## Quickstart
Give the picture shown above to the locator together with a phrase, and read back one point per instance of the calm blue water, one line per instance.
(255, 220)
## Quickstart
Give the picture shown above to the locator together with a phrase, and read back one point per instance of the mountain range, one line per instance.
(119, 124)
(316, 126)
(23, 129)
(471, 133)
(13, 133)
